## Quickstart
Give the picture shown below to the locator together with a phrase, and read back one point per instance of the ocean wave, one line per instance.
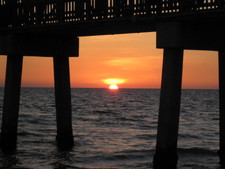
(188, 136)
(197, 151)
(194, 166)
(216, 119)
(146, 136)
(26, 133)
(127, 119)
(116, 158)
(129, 155)
(58, 165)
(113, 131)
(104, 112)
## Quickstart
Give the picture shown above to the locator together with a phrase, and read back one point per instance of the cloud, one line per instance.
(113, 81)
(131, 63)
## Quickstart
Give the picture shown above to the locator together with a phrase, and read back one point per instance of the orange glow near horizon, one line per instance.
(114, 81)
(132, 59)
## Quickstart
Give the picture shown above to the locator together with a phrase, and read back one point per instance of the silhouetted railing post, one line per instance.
(220, 3)
(79, 9)
(40, 8)
(102, 8)
(3, 16)
(116, 8)
(88, 9)
(148, 7)
(169, 110)
(12, 12)
(28, 17)
(11, 102)
(63, 101)
(131, 7)
(60, 10)
(222, 106)
(186, 6)
(159, 7)
(124, 8)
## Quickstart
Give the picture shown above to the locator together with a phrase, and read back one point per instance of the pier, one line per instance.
(51, 28)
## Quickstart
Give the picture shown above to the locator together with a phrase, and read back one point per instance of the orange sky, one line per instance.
(132, 57)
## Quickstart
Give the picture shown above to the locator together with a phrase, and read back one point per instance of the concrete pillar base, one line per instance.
(63, 102)
(169, 110)
(11, 102)
(8, 142)
(221, 154)
(165, 159)
(64, 141)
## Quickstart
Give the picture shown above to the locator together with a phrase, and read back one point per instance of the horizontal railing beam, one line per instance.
(31, 12)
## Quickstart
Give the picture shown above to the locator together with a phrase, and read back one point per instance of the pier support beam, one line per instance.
(169, 110)
(11, 102)
(63, 102)
(222, 105)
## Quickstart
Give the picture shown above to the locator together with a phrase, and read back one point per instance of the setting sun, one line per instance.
(113, 83)
(113, 87)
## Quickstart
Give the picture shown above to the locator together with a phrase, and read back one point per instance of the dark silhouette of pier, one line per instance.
(51, 28)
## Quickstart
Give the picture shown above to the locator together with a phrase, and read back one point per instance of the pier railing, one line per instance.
(14, 13)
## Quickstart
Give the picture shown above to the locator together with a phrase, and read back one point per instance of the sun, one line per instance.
(113, 82)
(113, 87)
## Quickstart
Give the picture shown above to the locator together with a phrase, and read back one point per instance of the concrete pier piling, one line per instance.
(11, 101)
(222, 106)
(46, 45)
(169, 110)
(63, 101)
(174, 37)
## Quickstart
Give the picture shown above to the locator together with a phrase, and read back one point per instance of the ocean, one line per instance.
(112, 130)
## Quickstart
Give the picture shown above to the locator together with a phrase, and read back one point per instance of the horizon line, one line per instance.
(119, 88)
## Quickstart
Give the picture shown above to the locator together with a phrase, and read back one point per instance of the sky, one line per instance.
(131, 58)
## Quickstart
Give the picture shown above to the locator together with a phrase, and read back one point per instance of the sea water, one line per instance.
(112, 129)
